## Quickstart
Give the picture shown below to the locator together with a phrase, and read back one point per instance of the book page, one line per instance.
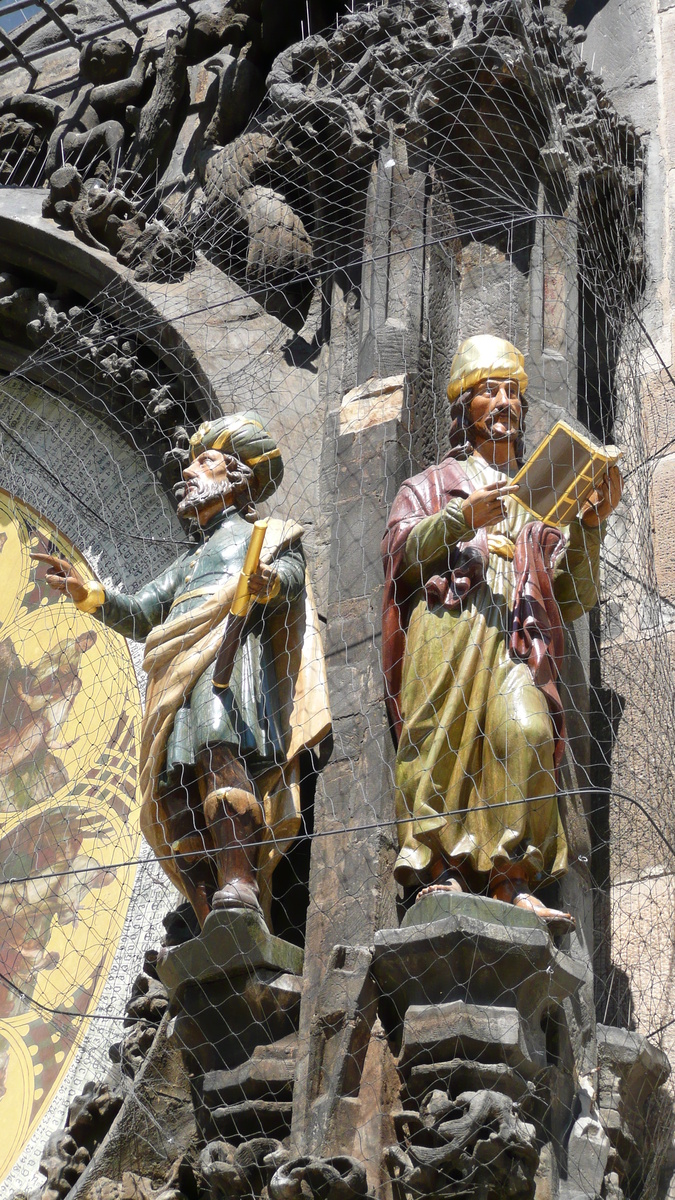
(559, 477)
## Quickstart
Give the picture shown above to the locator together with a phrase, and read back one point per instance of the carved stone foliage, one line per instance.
(473, 1144)
(270, 144)
(92, 352)
(91, 1114)
(180, 1184)
(144, 1010)
(340, 1177)
(69, 1150)
(246, 1170)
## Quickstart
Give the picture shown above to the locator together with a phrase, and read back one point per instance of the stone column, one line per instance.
(351, 884)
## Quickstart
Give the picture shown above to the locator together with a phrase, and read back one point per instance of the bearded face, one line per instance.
(212, 482)
(495, 411)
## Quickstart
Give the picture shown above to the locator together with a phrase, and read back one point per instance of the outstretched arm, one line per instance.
(131, 614)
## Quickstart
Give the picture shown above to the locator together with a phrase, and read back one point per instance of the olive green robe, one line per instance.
(245, 717)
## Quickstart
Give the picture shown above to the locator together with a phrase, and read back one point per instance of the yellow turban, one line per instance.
(485, 357)
(244, 436)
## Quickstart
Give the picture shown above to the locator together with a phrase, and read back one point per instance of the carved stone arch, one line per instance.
(74, 319)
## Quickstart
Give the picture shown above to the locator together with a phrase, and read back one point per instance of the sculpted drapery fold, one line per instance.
(479, 727)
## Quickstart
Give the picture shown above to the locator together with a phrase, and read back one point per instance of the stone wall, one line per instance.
(309, 227)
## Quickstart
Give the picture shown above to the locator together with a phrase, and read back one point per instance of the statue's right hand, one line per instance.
(486, 505)
(63, 577)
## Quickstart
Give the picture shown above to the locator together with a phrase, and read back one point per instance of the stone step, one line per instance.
(252, 1118)
(220, 1024)
(483, 1033)
(269, 1074)
(461, 1075)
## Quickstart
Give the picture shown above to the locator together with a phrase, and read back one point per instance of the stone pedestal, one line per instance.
(235, 1001)
(471, 995)
(231, 941)
(477, 952)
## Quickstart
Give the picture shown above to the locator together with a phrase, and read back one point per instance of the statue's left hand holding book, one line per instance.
(563, 472)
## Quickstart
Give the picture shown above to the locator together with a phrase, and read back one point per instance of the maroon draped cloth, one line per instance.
(536, 631)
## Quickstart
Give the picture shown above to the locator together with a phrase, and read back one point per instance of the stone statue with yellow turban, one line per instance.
(219, 769)
(475, 599)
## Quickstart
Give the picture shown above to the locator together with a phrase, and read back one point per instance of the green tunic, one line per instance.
(474, 767)
(245, 716)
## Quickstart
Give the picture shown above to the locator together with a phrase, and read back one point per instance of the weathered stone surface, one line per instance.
(485, 1033)
(343, 1019)
(254, 1098)
(351, 895)
(588, 1150)
(379, 1098)
(220, 1022)
(230, 942)
(372, 403)
(631, 1072)
(156, 1122)
(461, 958)
(251, 1119)
(338, 1178)
(663, 485)
(491, 912)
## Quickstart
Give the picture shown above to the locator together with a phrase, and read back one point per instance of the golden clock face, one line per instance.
(69, 720)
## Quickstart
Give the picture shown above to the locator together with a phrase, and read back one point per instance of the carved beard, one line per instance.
(200, 494)
(485, 430)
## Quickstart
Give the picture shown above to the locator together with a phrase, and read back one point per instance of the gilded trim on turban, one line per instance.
(485, 357)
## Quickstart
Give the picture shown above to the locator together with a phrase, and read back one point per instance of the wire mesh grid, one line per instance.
(411, 179)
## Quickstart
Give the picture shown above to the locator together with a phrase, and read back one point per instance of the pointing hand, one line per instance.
(63, 577)
(486, 505)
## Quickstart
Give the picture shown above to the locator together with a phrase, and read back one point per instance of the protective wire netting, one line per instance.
(347, 221)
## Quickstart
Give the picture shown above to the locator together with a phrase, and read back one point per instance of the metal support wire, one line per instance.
(74, 39)
(13, 49)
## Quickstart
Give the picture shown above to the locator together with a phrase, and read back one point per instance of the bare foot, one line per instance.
(557, 921)
(453, 886)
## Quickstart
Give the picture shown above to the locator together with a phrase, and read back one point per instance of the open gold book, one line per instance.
(560, 475)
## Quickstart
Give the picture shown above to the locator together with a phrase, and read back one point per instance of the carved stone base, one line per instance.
(475, 950)
(231, 941)
(472, 992)
(256, 1098)
(235, 999)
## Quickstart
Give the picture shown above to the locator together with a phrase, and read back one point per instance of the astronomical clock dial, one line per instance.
(69, 721)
